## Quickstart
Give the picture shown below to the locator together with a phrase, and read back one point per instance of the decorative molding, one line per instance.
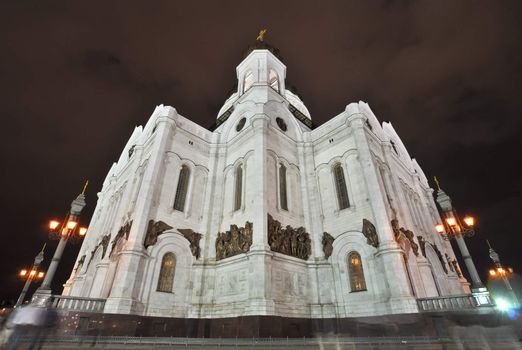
(236, 241)
(193, 238)
(289, 241)
(154, 229)
(369, 231)
(327, 244)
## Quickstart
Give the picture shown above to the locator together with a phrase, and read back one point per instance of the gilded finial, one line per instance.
(85, 187)
(437, 183)
(261, 35)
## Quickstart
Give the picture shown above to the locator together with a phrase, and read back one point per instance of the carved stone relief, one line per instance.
(422, 244)
(370, 233)
(105, 243)
(193, 238)
(439, 254)
(123, 231)
(397, 231)
(456, 267)
(236, 241)
(450, 265)
(80, 263)
(327, 244)
(154, 229)
(410, 236)
(289, 241)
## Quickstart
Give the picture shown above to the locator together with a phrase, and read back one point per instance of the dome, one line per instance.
(297, 103)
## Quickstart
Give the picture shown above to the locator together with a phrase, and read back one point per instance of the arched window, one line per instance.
(282, 187)
(166, 276)
(273, 80)
(181, 191)
(248, 81)
(239, 188)
(340, 185)
(356, 272)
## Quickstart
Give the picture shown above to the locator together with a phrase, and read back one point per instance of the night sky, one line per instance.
(76, 78)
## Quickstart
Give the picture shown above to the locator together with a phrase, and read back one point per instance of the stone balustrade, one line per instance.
(62, 302)
(447, 303)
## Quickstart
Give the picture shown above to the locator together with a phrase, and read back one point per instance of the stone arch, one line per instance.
(177, 300)
(439, 276)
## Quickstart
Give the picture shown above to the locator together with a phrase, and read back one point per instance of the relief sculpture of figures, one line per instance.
(439, 254)
(396, 229)
(370, 233)
(450, 265)
(236, 241)
(456, 267)
(327, 244)
(289, 241)
(193, 238)
(123, 231)
(154, 229)
(422, 244)
(410, 236)
(105, 243)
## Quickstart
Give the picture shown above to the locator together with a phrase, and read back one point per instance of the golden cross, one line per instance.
(261, 35)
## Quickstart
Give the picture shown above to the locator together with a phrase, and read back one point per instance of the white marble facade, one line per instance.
(382, 181)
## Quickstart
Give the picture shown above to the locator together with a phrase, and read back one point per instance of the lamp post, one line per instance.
(453, 227)
(68, 229)
(502, 272)
(30, 275)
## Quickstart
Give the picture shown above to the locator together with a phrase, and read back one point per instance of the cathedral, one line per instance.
(265, 214)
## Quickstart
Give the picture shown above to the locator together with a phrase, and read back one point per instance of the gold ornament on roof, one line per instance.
(261, 35)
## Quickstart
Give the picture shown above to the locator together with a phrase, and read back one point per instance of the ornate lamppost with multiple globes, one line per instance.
(503, 273)
(68, 229)
(30, 275)
(453, 227)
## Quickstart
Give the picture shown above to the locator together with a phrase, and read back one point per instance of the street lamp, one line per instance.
(453, 227)
(502, 272)
(29, 275)
(69, 228)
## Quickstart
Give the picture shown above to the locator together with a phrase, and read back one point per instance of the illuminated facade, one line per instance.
(265, 215)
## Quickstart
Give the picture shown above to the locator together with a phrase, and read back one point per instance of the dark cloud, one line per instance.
(76, 78)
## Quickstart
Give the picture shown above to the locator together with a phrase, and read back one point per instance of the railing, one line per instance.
(62, 302)
(447, 303)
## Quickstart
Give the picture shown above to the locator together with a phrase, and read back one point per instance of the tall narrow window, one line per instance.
(282, 187)
(181, 191)
(166, 276)
(239, 188)
(248, 81)
(355, 269)
(273, 80)
(340, 185)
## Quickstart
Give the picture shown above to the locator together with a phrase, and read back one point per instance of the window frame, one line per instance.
(341, 187)
(180, 198)
(166, 274)
(356, 277)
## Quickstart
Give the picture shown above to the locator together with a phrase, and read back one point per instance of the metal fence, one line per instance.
(242, 342)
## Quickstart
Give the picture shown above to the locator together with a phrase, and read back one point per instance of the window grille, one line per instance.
(340, 184)
(181, 191)
(273, 80)
(166, 277)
